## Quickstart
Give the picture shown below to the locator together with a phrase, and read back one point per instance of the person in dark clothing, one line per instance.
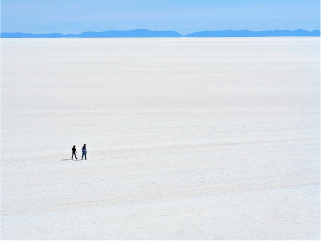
(74, 151)
(84, 152)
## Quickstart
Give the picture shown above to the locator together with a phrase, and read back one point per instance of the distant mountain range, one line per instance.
(144, 33)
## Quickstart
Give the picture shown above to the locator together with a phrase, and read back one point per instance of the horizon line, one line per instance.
(168, 33)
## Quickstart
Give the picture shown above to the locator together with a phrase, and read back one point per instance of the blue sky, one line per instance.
(183, 16)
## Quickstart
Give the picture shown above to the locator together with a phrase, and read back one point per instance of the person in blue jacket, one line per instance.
(84, 152)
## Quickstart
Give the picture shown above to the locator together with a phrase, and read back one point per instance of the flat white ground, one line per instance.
(188, 138)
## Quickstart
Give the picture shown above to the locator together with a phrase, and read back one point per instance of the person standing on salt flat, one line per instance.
(84, 152)
(74, 151)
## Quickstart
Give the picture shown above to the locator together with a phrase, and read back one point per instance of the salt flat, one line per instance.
(188, 138)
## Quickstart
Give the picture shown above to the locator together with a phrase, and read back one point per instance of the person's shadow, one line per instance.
(70, 160)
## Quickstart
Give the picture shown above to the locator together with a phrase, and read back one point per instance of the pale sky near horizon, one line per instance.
(183, 16)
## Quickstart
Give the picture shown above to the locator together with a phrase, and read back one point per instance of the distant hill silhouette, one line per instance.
(247, 33)
(138, 33)
(31, 35)
(144, 33)
(131, 33)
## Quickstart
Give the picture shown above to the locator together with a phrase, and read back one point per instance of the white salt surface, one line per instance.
(188, 138)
